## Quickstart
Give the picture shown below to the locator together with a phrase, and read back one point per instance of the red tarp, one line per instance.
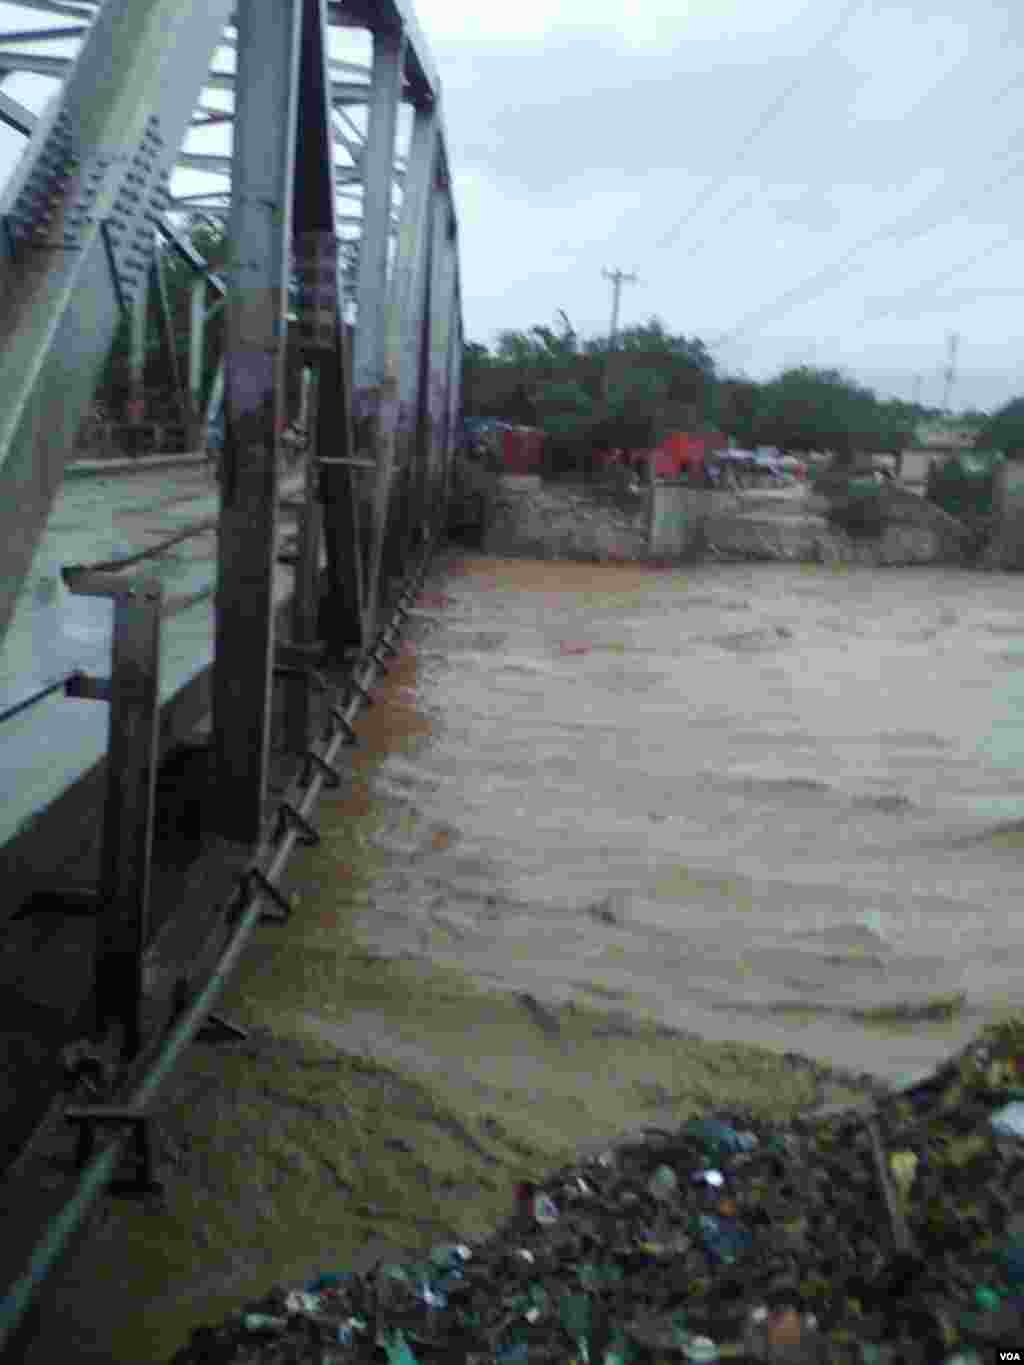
(522, 450)
(683, 453)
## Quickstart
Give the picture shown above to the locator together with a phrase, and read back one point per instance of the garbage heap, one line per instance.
(886, 1234)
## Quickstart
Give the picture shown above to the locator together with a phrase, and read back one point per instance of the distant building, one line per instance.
(934, 440)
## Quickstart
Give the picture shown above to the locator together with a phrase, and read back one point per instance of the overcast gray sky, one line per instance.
(584, 133)
(873, 213)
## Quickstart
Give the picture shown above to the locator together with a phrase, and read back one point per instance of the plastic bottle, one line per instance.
(702, 1350)
(664, 1183)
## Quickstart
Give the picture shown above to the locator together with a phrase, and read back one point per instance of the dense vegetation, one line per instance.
(583, 396)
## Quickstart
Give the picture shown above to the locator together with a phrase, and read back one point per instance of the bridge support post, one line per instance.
(322, 336)
(133, 692)
(260, 233)
(439, 377)
(137, 367)
(389, 53)
(403, 353)
(299, 711)
(196, 351)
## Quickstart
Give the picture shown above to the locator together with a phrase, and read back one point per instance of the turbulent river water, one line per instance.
(770, 803)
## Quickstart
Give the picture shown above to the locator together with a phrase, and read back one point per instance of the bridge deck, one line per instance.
(48, 746)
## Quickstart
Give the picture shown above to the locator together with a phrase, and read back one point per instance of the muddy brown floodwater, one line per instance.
(772, 803)
(615, 839)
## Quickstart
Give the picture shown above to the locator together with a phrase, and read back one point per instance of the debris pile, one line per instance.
(878, 1236)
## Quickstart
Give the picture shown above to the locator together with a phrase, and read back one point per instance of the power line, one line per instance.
(738, 208)
(924, 290)
(835, 273)
(769, 115)
(878, 236)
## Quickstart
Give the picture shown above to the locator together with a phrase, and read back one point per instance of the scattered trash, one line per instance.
(719, 1136)
(1010, 1120)
(663, 1183)
(903, 1166)
(701, 1349)
(802, 1250)
(301, 1301)
(263, 1322)
(545, 1210)
(713, 1178)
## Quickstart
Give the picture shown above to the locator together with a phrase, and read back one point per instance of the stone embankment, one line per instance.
(576, 521)
(568, 521)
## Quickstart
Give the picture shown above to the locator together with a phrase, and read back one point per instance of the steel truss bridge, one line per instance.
(312, 131)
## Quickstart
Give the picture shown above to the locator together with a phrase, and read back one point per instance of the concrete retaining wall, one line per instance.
(678, 521)
(1007, 550)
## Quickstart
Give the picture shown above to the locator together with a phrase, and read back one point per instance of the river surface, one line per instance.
(764, 803)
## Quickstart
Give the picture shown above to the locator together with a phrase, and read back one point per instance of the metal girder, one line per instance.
(266, 108)
(58, 7)
(15, 115)
(299, 716)
(397, 16)
(43, 35)
(316, 231)
(211, 164)
(352, 145)
(78, 211)
(159, 276)
(133, 691)
(36, 64)
(454, 385)
(350, 92)
(187, 251)
(208, 118)
(196, 352)
(443, 265)
(377, 179)
(403, 342)
(205, 161)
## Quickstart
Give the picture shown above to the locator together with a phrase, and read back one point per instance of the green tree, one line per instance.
(115, 386)
(566, 414)
(1004, 431)
(578, 392)
(811, 409)
(635, 413)
(737, 409)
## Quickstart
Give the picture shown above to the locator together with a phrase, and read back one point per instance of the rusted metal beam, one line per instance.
(266, 103)
(302, 646)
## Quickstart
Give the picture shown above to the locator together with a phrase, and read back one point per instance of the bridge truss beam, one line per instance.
(79, 216)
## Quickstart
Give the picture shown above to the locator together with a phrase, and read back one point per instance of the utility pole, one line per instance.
(917, 390)
(618, 279)
(953, 343)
